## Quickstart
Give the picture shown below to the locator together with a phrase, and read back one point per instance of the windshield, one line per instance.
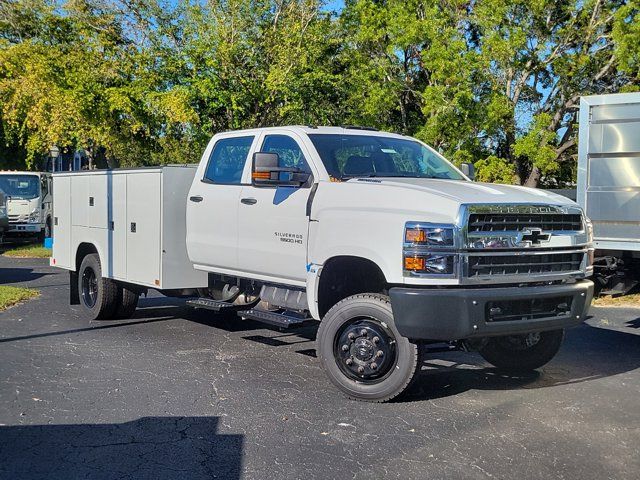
(349, 156)
(20, 186)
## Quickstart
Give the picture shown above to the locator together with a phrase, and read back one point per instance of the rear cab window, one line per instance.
(227, 160)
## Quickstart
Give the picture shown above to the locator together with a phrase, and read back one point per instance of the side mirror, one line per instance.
(469, 170)
(267, 173)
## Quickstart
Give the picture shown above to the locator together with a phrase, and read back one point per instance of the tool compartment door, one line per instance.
(143, 228)
(62, 223)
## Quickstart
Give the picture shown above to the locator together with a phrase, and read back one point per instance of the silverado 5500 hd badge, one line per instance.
(289, 237)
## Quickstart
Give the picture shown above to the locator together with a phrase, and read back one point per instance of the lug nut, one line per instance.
(373, 366)
(363, 332)
(349, 361)
(345, 348)
(360, 369)
(351, 336)
(379, 353)
(376, 339)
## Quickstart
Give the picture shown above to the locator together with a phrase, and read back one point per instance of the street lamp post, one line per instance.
(54, 152)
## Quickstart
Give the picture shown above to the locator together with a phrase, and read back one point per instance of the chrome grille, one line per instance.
(524, 264)
(518, 222)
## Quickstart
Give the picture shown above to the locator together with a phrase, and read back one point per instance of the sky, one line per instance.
(335, 5)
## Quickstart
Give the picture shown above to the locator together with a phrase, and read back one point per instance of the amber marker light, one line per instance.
(261, 175)
(413, 263)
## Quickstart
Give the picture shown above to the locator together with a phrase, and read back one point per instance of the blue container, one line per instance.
(48, 242)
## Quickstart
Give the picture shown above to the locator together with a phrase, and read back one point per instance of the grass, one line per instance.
(28, 251)
(632, 300)
(10, 296)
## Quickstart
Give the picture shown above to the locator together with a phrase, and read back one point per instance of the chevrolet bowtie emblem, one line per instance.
(534, 236)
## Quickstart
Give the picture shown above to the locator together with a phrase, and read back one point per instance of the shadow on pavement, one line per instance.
(17, 275)
(589, 353)
(633, 323)
(102, 326)
(151, 447)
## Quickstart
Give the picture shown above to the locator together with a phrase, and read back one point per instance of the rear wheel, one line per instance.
(98, 295)
(127, 303)
(522, 353)
(362, 352)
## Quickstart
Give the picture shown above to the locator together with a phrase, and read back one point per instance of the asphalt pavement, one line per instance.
(176, 393)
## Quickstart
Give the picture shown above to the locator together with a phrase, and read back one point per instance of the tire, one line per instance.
(345, 325)
(47, 228)
(98, 295)
(127, 303)
(513, 354)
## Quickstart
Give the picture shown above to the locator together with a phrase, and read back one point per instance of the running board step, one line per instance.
(282, 320)
(215, 305)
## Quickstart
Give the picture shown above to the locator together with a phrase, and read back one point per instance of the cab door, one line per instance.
(273, 222)
(212, 205)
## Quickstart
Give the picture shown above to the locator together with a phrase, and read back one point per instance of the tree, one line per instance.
(136, 82)
(496, 82)
(65, 80)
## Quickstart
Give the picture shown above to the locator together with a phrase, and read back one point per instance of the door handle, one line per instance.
(249, 201)
(196, 198)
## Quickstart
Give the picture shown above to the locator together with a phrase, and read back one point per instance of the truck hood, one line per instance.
(463, 192)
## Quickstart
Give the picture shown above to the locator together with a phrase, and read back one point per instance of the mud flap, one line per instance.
(74, 295)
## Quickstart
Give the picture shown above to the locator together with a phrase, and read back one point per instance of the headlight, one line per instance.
(34, 217)
(429, 249)
(430, 263)
(437, 236)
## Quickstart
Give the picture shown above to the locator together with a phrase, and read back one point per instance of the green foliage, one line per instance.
(28, 251)
(141, 82)
(537, 145)
(10, 296)
(495, 170)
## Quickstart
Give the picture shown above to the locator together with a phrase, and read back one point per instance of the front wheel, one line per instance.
(522, 353)
(362, 352)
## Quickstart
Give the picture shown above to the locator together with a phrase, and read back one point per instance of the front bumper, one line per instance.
(459, 313)
(24, 228)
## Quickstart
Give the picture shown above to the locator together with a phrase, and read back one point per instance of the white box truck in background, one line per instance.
(608, 186)
(28, 196)
(375, 235)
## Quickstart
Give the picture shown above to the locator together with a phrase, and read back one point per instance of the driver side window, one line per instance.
(289, 152)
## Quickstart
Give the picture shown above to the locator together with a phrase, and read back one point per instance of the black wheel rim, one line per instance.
(89, 287)
(365, 350)
(520, 342)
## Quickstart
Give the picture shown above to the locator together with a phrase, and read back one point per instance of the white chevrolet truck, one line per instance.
(375, 235)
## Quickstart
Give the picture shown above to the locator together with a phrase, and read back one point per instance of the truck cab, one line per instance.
(375, 235)
(29, 199)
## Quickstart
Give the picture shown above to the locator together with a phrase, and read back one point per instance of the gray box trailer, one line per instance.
(608, 186)
(136, 217)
